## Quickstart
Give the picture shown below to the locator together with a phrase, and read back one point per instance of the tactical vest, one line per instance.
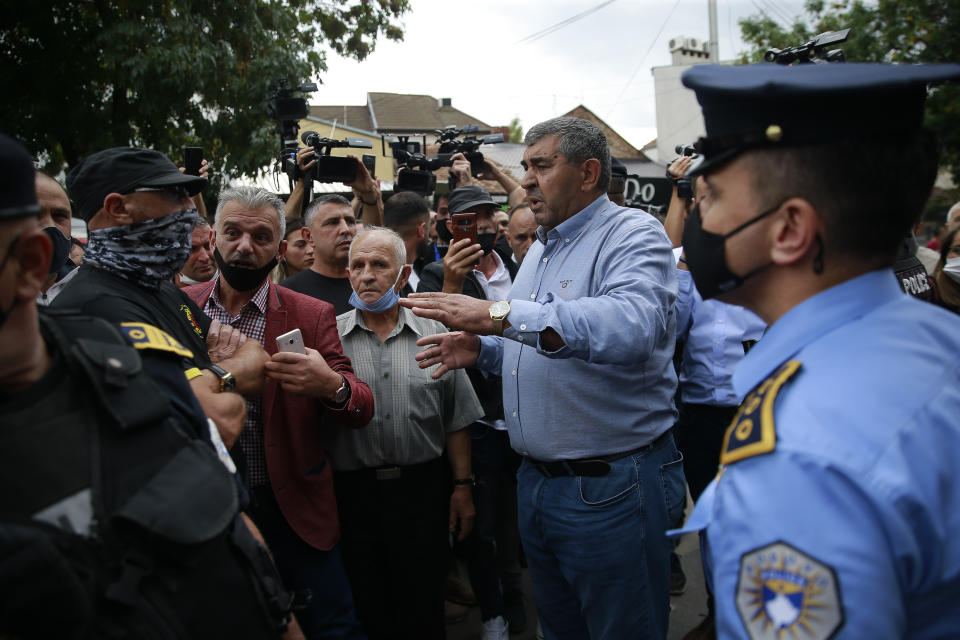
(166, 556)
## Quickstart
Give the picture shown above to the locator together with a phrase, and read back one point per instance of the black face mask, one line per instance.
(61, 248)
(706, 255)
(486, 242)
(445, 235)
(242, 278)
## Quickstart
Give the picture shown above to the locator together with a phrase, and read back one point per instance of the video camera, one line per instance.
(469, 146)
(415, 172)
(684, 184)
(331, 168)
(288, 111)
(812, 52)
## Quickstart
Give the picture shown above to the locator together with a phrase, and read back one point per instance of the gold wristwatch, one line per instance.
(498, 312)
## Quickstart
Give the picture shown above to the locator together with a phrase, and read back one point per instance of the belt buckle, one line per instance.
(389, 473)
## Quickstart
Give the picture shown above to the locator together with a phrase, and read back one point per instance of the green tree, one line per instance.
(86, 75)
(903, 31)
(516, 131)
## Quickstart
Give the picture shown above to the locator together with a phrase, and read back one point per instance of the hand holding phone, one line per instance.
(291, 342)
(192, 157)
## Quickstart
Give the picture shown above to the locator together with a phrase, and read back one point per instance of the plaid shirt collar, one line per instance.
(259, 299)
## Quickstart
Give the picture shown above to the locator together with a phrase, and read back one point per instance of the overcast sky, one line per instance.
(469, 51)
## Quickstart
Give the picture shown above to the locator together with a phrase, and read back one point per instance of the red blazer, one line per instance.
(300, 474)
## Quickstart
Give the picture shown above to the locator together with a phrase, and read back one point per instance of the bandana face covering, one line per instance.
(146, 252)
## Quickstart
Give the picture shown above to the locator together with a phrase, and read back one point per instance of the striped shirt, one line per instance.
(252, 322)
(413, 412)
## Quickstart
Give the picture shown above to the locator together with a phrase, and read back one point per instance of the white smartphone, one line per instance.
(291, 342)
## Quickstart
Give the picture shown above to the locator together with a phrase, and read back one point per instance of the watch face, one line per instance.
(499, 308)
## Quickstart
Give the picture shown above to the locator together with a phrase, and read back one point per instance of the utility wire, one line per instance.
(533, 37)
(779, 12)
(649, 49)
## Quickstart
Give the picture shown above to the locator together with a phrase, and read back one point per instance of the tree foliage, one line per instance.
(901, 31)
(90, 74)
(516, 131)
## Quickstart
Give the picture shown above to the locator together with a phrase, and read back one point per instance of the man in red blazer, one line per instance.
(286, 470)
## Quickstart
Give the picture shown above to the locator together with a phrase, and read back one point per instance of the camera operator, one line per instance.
(365, 189)
(461, 176)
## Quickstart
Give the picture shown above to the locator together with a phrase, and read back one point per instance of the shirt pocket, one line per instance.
(426, 402)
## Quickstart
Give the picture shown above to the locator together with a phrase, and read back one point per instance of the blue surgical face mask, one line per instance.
(387, 301)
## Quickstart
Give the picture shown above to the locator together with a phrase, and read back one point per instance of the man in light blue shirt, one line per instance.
(715, 337)
(588, 384)
(836, 512)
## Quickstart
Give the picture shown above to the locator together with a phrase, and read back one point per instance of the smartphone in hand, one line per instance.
(192, 157)
(291, 342)
(464, 226)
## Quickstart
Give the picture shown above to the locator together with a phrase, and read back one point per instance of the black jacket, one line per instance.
(487, 387)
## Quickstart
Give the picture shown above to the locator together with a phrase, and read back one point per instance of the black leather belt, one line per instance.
(596, 467)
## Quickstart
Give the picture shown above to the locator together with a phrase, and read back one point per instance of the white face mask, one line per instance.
(952, 269)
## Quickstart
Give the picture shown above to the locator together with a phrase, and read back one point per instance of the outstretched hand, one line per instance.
(455, 310)
(454, 350)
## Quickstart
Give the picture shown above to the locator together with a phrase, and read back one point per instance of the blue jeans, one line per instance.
(598, 557)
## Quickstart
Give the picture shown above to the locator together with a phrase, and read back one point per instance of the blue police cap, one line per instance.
(770, 105)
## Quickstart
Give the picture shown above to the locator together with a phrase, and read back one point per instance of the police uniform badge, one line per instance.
(752, 431)
(785, 593)
(147, 336)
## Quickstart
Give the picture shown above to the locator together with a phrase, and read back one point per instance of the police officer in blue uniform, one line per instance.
(836, 510)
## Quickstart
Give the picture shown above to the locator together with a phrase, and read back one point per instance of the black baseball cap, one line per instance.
(771, 105)
(121, 170)
(467, 197)
(18, 191)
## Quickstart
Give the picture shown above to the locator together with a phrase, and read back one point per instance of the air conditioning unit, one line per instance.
(692, 44)
(677, 42)
(706, 46)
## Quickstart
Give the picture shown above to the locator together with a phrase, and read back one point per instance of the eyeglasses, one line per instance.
(173, 191)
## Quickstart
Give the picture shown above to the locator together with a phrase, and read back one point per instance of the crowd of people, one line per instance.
(299, 418)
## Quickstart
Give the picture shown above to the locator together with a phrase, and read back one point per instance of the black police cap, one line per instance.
(770, 105)
(463, 198)
(121, 170)
(18, 190)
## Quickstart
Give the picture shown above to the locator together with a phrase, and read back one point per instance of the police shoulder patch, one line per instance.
(147, 336)
(785, 593)
(752, 430)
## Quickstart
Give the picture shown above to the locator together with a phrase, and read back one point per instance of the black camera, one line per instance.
(684, 185)
(469, 146)
(288, 110)
(812, 52)
(415, 169)
(332, 168)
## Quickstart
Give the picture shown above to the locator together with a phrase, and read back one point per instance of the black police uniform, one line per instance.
(118, 519)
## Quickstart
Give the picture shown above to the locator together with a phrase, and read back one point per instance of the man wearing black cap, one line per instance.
(835, 511)
(140, 218)
(120, 520)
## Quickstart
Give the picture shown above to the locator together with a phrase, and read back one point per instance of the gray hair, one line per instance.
(399, 248)
(253, 198)
(316, 203)
(580, 140)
